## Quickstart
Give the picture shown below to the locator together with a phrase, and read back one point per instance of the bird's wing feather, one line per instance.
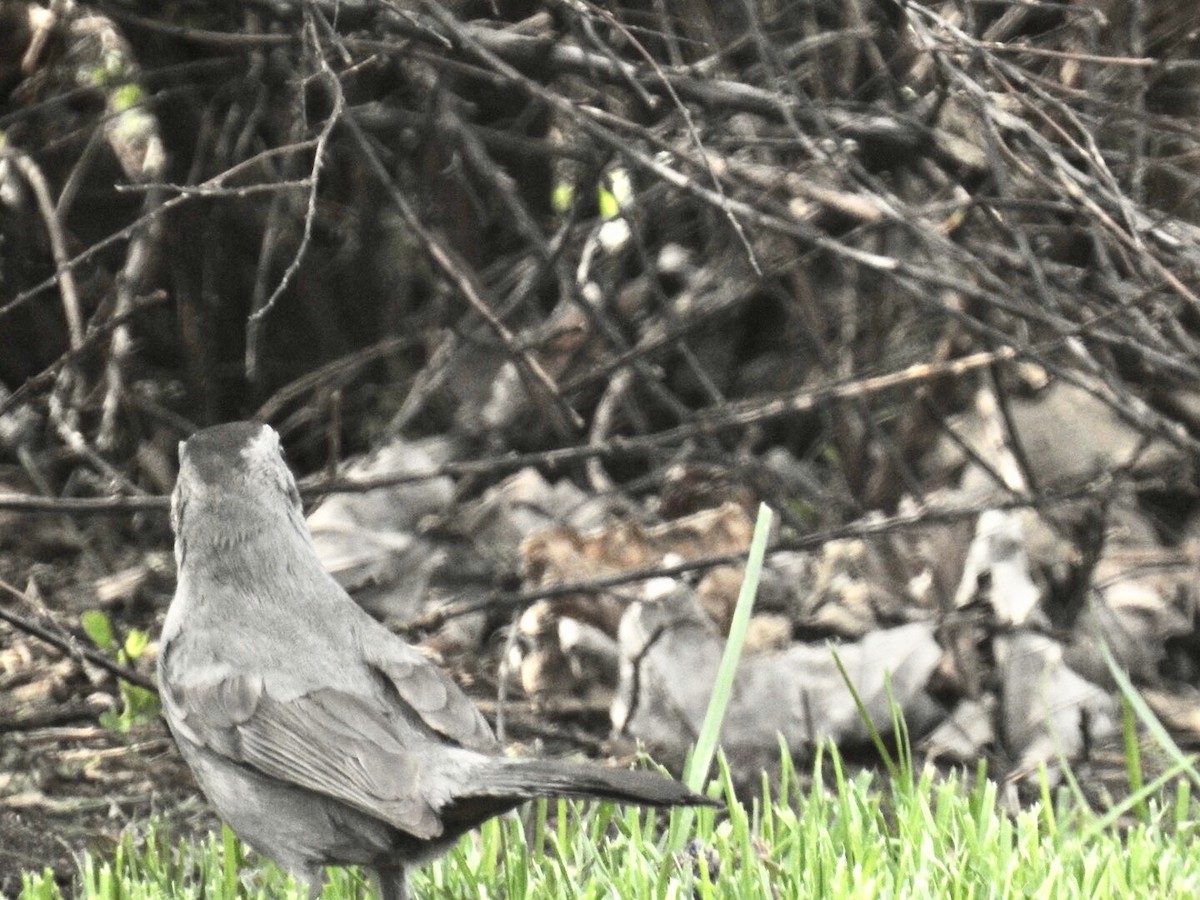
(431, 693)
(330, 741)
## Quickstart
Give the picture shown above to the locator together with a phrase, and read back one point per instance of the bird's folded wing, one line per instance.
(430, 692)
(335, 743)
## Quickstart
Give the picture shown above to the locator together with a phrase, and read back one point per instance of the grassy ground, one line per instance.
(840, 838)
(907, 835)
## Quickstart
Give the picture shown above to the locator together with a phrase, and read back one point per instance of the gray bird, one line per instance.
(317, 734)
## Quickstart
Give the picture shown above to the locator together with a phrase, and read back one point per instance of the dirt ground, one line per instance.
(71, 789)
(67, 783)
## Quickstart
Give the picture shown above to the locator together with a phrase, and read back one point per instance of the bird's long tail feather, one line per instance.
(528, 778)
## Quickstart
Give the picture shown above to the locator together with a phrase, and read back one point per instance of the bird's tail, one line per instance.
(528, 778)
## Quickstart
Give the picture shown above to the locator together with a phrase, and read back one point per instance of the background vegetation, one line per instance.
(885, 266)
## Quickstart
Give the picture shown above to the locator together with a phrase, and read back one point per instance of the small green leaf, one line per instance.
(96, 625)
(139, 706)
(111, 720)
(609, 207)
(562, 196)
(135, 643)
(615, 193)
(125, 97)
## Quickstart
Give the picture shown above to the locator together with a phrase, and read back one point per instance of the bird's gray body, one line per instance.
(316, 733)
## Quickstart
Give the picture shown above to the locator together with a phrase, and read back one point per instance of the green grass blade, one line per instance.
(696, 774)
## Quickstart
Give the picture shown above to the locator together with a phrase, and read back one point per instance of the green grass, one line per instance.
(842, 836)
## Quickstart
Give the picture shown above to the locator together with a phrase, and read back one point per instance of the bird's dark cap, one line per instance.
(218, 452)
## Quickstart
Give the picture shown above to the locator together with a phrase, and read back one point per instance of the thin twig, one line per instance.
(58, 244)
(254, 323)
(68, 645)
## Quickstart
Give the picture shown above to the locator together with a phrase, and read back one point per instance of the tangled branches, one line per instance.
(639, 230)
